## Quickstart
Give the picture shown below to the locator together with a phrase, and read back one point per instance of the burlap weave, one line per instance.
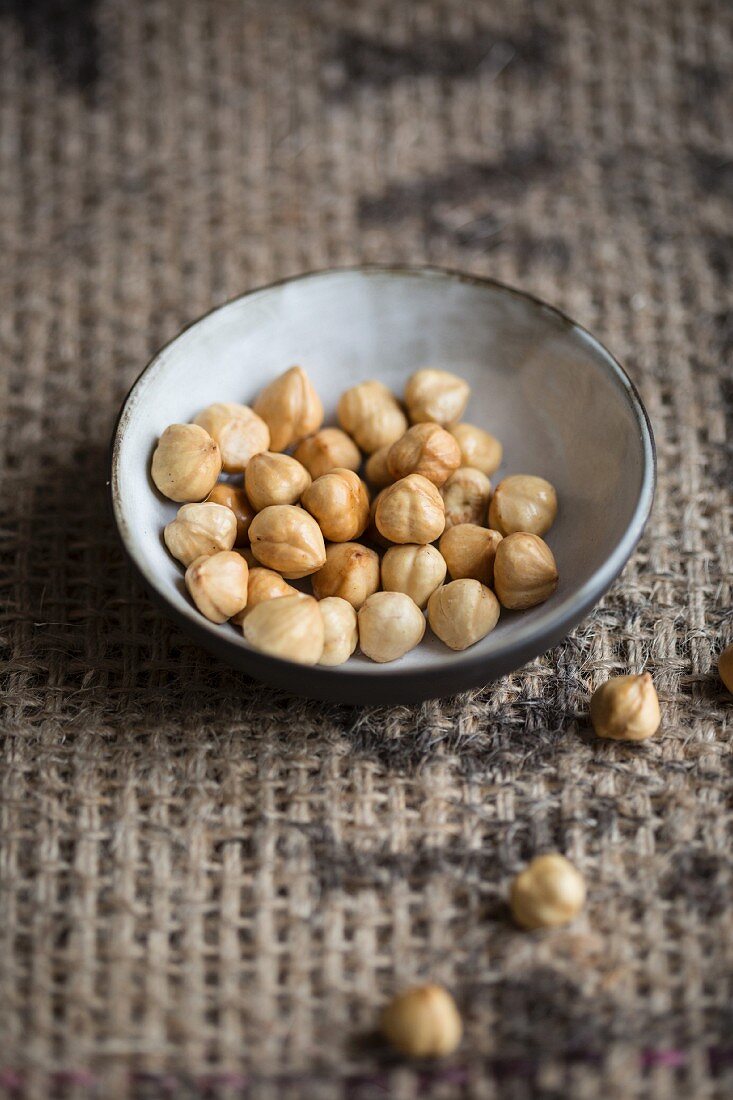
(208, 888)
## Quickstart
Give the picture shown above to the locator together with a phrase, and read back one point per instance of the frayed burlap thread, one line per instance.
(208, 888)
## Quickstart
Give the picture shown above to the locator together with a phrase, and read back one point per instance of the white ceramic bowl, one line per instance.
(559, 402)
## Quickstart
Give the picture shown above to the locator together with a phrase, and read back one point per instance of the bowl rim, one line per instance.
(472, 669)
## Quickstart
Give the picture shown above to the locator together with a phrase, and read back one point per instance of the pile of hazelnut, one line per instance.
(377, 549)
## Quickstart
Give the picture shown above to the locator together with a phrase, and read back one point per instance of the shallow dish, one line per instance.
(560, 403)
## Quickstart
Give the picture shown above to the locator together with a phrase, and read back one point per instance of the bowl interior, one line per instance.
(556, 399)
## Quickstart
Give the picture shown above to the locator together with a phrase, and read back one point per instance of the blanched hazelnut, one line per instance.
(377, 470)
(239, 432)
(217, 584)
(235, 499)
(263, 584)
(351, 571)
(523, 502)
(469, 551)
(478, 449)
(725, 667)
(291, 408)
(466, 495)
(525, 572)
(186, 463)
(339, 502)
(370, 414)
(200, 529)
(390, 625)
(329, 449)
(548, 893)
(288, 540)
(340, 634)
(290, 627)
(626, 708)
(425, 449)
(275, 479)
(411, 510)
(436, 395)
(423, 1022)
(415, 570)
(463, 612)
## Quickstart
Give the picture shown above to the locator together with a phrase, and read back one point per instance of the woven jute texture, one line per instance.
(209, 888)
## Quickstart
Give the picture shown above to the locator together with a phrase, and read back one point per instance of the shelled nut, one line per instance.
(340, 630)
(425, 449)
(238, 431)
(523, 502)
(525, 573)
(275, 479)
(469, 551)
(200, 529)
(290, 627)
(466, 495)
(479, 449)
(288, 540)
(462, 612)
(415, 570)
(235, 499)
(411, 510)
(329, 449)
(186, 463)
(217, 584)
(548, 893)
(351, 571)
(371, 415)
(390, 625)
(339, 502)
(291, 408)
(436, 395)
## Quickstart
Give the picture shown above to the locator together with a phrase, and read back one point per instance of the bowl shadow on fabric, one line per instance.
(84, 616)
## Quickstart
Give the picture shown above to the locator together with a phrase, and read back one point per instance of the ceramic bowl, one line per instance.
(559, 402)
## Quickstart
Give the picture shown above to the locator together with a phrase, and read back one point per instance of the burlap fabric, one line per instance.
(209, 888)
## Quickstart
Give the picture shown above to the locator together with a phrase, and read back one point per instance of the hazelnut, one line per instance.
(725, 667)
(275, 479)
(200, 529)
(370, 414)
(469, 551)
(425, 449)
(288, 540)
(290, 628)
(263, 584)
(390, 625)
(549, 892)
(626, 708)
(351, 572)
(466, 495)
(436, 395)
(411, 510)
(523, 502)
(186, 463)
(463, 612)
(415, 570)
(291, 408)
(478, 449)
(339, 502)
(236, 500)
(525, 572)
(239, 432)
(329, 449)
(376, 469)
(217, 584)
(423, 1022)
(340, 634)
